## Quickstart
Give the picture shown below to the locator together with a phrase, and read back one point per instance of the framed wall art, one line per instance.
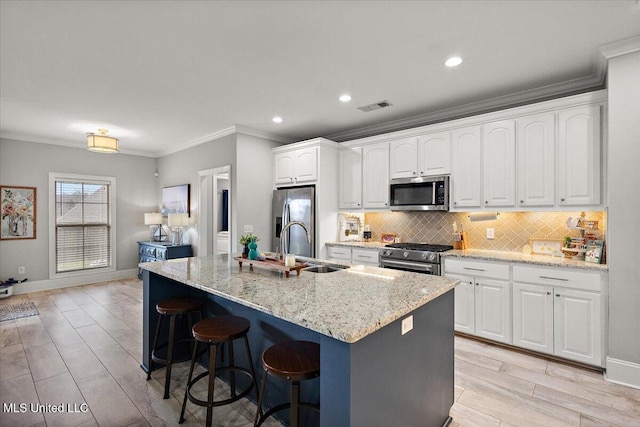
(176, 199)
(18, 212)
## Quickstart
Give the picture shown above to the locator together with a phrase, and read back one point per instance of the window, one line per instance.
(83, 226)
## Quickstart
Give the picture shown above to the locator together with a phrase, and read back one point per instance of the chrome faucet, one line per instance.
(285, 230)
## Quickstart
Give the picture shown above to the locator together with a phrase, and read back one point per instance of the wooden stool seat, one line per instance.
(220, 329)
(179, 305)
(214, 332)
(174, 308)
(293, 360)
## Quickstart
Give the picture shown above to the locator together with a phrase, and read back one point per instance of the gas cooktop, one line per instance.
(420, 247)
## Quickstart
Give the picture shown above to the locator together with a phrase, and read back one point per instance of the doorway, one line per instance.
(214, 221)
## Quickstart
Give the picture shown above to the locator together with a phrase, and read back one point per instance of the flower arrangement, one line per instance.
(245, 239)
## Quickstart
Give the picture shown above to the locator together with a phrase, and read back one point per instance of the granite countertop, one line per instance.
(526, 259)
(363, 245)
(347, 305)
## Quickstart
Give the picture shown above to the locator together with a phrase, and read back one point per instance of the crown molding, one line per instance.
(569, 87)
(67, 143)
(235, 129)
(621, 47)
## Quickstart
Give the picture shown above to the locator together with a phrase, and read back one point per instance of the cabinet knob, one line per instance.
(358, 204)
(413, 173)
(521, 201)
(548, 293)
(290, 179)
(562, 200)
(477, 284)
(485, 202)
(557, 295)
(421, 172)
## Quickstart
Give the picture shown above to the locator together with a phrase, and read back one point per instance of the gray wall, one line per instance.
(624, 205)
(28, 164)
(250, 189)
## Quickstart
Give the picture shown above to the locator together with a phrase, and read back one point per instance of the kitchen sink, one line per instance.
(325, 268)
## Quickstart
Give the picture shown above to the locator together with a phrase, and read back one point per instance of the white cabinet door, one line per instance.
(464, 309)
(365, 256)
(403, 158)
(536, 160)
(499, 163)
(579, 156)
(284, 168)
(493, 309)
(375, 176)
(306, 165)
(533, 317)
(434, 154)
(577, 326)
(350, 181)
(467, 167)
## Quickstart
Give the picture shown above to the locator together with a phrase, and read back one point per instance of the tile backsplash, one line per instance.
(512, 229)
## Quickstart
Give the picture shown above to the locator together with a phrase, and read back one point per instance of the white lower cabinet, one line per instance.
(482, 299)
(342, 254)
(559, 312)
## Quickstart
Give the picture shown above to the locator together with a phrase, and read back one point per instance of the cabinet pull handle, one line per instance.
(554, 278)
(474, 269)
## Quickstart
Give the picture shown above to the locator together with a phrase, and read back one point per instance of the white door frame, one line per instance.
(207, 193)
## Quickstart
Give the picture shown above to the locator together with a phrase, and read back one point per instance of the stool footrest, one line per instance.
(225, 401)
(283, 406)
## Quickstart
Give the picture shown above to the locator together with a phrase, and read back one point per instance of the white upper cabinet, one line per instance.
(434, 154)
(350, 181)
(579, 156)
(536, 147)
(467, 167)
(403, 159)
(296, 166)
(499, 163)
(375, 176)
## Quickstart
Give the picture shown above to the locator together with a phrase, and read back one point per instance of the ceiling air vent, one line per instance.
(375, 106)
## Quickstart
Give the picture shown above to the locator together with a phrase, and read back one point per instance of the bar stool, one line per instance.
(216, 331)
(174, 308)
(292, 361)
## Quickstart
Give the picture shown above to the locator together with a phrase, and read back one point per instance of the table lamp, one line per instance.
(177, 222)
(154, 221)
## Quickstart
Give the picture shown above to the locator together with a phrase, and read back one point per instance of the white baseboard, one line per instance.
(44, 285)
(623, 372)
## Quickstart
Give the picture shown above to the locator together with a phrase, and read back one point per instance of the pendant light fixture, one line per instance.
(102, 143)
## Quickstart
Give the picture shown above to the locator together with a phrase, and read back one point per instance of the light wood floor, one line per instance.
(85, 347)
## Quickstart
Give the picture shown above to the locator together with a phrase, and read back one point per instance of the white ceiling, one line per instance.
(162, 76)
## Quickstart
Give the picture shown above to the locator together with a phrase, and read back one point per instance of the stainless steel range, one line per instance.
(416, 257)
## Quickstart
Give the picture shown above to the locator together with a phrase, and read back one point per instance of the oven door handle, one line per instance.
(406, 265)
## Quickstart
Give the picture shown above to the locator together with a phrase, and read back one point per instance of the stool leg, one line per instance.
(251, 368)
(172, 331)
(295, 399)
(212, 380)
(155, 344)
(232, 376)
(257, 422)
(186, 390)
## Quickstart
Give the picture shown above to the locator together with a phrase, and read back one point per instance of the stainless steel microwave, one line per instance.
(419, 194)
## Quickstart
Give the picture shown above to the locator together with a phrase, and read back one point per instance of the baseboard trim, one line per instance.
(623, 372)
(48, 284)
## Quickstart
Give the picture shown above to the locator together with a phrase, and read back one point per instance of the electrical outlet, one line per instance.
(407, 324)
(248, 228)
(22, 270)
(491, 233)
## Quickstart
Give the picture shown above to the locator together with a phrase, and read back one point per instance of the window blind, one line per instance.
(83, 213)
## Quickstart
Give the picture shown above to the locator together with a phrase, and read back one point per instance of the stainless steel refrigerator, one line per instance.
(294, 204)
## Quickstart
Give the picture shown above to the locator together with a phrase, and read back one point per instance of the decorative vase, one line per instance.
(253, 249)
(245, 251)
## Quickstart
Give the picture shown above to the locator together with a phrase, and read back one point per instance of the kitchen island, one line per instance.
(371, 373)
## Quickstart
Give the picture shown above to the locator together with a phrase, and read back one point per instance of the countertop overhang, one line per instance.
(346, 305)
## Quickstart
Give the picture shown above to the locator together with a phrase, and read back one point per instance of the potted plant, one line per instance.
(245, 239)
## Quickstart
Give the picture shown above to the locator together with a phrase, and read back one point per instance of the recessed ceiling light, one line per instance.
(277, 119)
(345, 98)
(454, 61)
